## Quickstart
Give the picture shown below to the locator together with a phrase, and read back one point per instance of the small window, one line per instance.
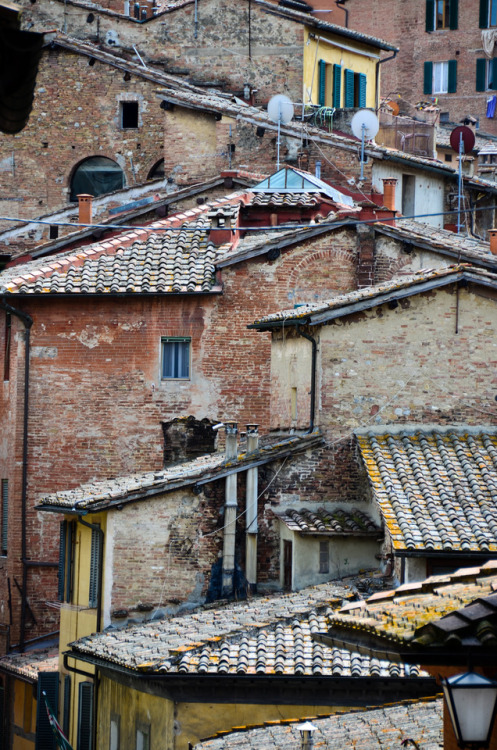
(175, 358)
(324, 557)
(448, 157)
(444, 116)
(54, 231)
(129, 115)
(5, 516)
(440, 77)
(143, 736)
(115, 731)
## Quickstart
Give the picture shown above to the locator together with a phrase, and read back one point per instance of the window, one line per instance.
(488, 13)
(115, 731)
(175, 358)
(48, 683)
(142, 736)
(64, 575)
(330, 85)
(96, 176)
(349, 80)
(486, 74)
(5, 516)
(129, 115)
(359, 90)
(440, 77)
(444, 116)
(441, 14)
(324, 557)
(95, 566)
(85, 716)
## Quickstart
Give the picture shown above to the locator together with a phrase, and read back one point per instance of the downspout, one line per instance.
(377, 80)
(313, 376)
(28, 322)
(230, 507)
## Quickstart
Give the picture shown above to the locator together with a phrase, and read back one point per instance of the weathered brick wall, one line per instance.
(76, 115)
(403, 23)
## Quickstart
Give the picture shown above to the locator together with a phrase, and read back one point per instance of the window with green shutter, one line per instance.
(65, 570)
(95, 567)
(348, 79)
(441, 14)
(5, 516)
(361, 83)
(322, 83)
(48, 682)
(452, 77)
(488, 13)
(85, 716)
(66, 716)
(481, 74)
(428, 78)
(486, 74)
(454, 14)
(430, 15)
(337, 86)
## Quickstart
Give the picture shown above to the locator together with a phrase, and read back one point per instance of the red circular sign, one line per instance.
(468, 139)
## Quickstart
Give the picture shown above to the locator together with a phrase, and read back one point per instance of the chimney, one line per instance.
(251, 508)
(220, 231)
(493, 241)
(230, 503)
(389, 193)
(85, 208)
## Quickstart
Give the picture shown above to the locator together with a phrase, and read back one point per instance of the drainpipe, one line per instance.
(229, 513)
(313, 376)
(28, 322)
(377, 78)
(252, 489)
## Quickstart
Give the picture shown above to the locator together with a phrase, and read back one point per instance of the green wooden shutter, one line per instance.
(363, 81)
(66, 716)
(493, 73)
(484, 14)
(322, 83)
(85, 716)
(452, 82)
(454, 14)
(428, 78)
(481, 74)
(337, 86)
(430, 15)
(5, 516)
(349, 87)
(95, 563)
(62, 561)
(48, 682)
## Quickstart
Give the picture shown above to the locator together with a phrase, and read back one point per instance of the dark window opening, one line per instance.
(96, 176)
(129, 115)
(157, 171)
(54, 231)
(324, 557)
(8, 336)
(448, 157)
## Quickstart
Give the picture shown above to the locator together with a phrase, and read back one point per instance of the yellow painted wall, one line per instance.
(24, 715)
(133, 708)
(315, 50)
(76, 619)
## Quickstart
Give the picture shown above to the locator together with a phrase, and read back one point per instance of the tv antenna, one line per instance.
(280, 110)
(462, 141)
(364, 125)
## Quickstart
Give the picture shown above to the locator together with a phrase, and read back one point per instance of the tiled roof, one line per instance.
(270, 635)
(335, 522)
(102, 494)
(458, 246)
(307, 200)
(365, 729)
(395, 616)
(436, 488)
(474, 625)
(28, 664)
(371, 296)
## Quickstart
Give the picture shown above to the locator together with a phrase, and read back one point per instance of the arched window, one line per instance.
(96, 176)
(157, 171)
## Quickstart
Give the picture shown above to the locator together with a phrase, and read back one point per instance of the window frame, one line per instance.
(324, 557)
(445, 77)
(487, 9)
(450, 15)
(145, 730)
(175, 340)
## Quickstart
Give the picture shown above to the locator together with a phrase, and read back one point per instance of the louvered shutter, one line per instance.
(362, 89)
(430, 15)
(62, 561)
(452, 82)
(454, 14)
(493, 73)
(349, 87)
(66, 716)
(48, 682)
(481, 74)
(5, 516)
(85, 716)
(484, 14)
(322, 83)
(427, 78)
(337, 86)
(95, 563)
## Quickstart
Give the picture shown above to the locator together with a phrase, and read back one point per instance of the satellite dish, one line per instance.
(280, 109)
(468, 139)
(368, 119)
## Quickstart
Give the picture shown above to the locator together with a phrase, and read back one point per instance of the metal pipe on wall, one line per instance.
(230, 505)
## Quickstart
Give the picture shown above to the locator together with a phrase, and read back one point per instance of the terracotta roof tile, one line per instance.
(333, 522)
(30, 663)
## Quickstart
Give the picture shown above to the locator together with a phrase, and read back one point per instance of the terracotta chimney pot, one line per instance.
(389, 193)
(85, 208)
(493, 241)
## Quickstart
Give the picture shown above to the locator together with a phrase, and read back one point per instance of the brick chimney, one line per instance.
(85, 202)
(493, 241)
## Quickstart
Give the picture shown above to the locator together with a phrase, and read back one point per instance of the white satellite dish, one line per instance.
(365, 122)
(280, 108)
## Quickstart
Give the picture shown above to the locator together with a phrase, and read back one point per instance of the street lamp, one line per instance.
(471, 700)
(306, 730)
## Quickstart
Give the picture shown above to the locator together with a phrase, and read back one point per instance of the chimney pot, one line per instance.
(231, 439)
(389, 193)
(252, 437)
(85, 205)
(493, 241)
